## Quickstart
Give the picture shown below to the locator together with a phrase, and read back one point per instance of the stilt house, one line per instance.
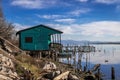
(39, 38)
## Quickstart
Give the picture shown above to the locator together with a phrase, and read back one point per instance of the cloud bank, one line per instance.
(20, 26)
(93, 30)
(101, 28)
(34, 4)
(98, 28)
(107, 1)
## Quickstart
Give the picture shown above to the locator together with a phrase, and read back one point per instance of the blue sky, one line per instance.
(93, 20)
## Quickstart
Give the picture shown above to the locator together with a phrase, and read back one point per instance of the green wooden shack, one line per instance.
(38, 38)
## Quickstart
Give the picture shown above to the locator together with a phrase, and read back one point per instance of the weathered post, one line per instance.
(56, 55)
(53, 56)
(40, 55)
(67, 52)
(86, 61)
(79, 60)
(84, 69)
(112, 73)
(49, 54)
(99, 74)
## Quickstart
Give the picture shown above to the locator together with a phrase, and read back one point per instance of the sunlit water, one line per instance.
(106, 55)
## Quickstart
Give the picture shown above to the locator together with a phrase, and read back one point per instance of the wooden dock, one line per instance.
(78, 49)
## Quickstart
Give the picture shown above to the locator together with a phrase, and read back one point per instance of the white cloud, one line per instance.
(50, 16)
(107, 1)
(99, 30)
(33, 4)
(67, 30)
(82, 0)
(64, 28)
(20, 26)
(67, 20)
(80, 11)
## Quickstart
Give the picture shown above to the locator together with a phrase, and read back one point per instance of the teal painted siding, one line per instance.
(40, 38)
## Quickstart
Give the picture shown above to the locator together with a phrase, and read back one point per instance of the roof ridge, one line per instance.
(41, 25)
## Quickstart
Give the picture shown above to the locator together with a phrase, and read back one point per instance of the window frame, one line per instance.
(28, 39)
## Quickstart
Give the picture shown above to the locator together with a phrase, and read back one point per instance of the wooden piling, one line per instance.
(98, 78)
(67, 52)
(49, 54)
(112, 73)
(84, 68)
(74, 60)
(56, 56)
(86, 61)
(79, 61)
(40, 55)
(53, 56)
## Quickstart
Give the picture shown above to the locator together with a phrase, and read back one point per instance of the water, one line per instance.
(107, 55)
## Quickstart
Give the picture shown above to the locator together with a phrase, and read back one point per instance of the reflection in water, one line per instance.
(106, 55)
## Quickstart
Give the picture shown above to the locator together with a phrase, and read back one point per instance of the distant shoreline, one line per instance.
(117, 43)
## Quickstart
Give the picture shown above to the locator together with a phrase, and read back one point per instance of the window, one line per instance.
(28, 39)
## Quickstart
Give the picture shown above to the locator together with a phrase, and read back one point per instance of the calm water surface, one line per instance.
(107, 55)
